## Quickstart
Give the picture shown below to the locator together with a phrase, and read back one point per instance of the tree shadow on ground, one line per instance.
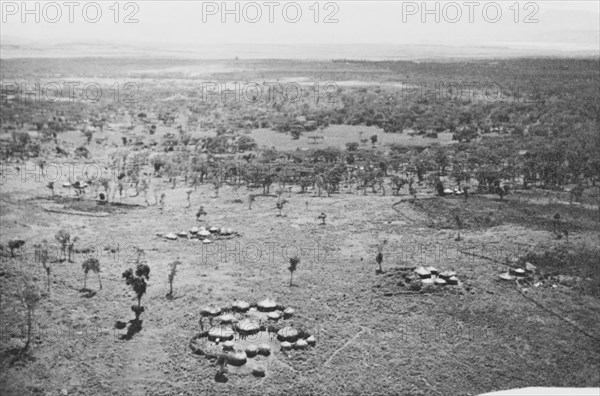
(221, 377)
(87, 293)
(173, 297)
(135, 326)
(18, 356)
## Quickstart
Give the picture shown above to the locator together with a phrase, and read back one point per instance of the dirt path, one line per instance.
(351, 340)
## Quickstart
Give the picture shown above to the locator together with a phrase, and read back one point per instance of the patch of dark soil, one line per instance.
(403, 280)
(577, 269)
(93, 206)
(480, 213)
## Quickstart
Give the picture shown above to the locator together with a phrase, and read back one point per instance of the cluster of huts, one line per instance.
(433, 276)
(236, 330)
(203, 234)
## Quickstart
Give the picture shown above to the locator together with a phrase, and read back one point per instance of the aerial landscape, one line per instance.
(180, 225)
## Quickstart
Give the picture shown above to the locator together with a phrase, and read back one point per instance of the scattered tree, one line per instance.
(322, 217)
(50, 186)
(42, 255)
(279, 192)
(459, 224)
(31, 296)
(314, 138)
(439, 187)
(441, 159)
(293, 265)
(465, 134)
(162, 201)
(501, 191)
(71, 250)
(188, 193)
(556, 222)
(201, 212)
(576, 193)
(352, 146)
(105, 183)
(379, 257)
(88, 136)
(120, 188)
(373, 140)
(91, 264)
(15, 244)
(279, 206)
(79, 189)
(379, 260)
(63, 238)
(411, 190)
(137, 281)
(82, 152)
(157, 161)
(398, 183)
(173, 271)
(217, 185)
(246, 143)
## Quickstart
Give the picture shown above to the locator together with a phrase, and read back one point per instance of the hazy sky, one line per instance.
(572, 24)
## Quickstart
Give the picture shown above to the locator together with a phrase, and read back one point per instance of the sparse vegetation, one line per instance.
(43, 256)
(201, 212)
(91, 264)
(379, 260)
(31, 296)
(459, 225)
(322, 217)
(63, 238)
(71, 249)
(161, 203)
(188, 194)
(537, 157)
(373, 140)
(279, 206)
(379, 257)
(137, 281)
(172, 272)
(294, 261)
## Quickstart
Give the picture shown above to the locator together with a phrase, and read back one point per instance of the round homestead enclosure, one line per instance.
(249, 335)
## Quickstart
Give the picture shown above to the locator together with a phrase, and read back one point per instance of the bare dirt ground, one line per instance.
(481, 336)
(375, 334)
(338, 135)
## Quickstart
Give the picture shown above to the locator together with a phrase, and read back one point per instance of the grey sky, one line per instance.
(564, 24)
